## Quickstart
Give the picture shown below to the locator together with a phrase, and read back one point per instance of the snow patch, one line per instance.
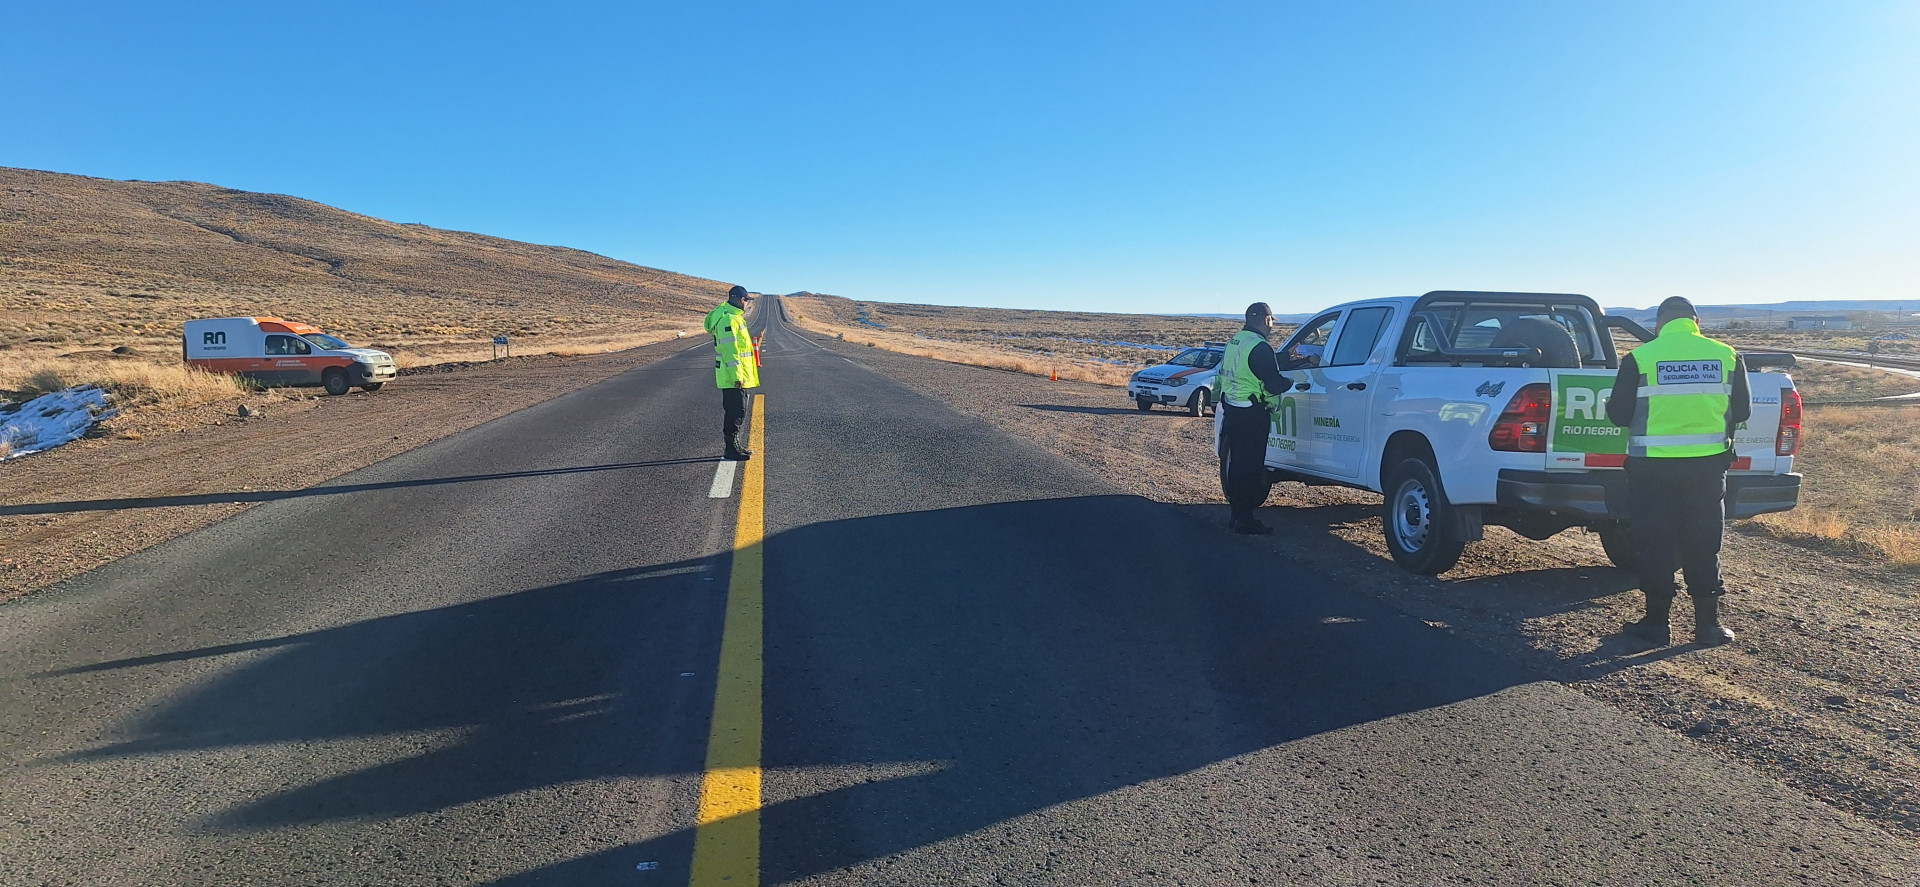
(50, 420)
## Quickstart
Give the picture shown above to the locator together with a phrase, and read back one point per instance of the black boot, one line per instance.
(1656, 627)
(736, 452)
(1707, 630)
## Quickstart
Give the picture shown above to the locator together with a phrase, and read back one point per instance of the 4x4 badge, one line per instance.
(1489, 389)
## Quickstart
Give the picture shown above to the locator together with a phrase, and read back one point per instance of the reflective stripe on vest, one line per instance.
(1686, 389)
(1239, 387)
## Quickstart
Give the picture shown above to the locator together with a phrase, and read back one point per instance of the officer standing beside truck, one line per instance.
(736, 367)
(1680, 397)
(1249, 382)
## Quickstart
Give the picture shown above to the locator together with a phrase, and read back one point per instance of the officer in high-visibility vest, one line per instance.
(736, 366)
(1680, 397)
(1248, 381)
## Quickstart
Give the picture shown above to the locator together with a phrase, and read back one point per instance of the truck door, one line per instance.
(288, 361)
(1289, 444)
(1344, 398)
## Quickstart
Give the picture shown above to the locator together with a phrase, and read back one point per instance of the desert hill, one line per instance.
(95, 262)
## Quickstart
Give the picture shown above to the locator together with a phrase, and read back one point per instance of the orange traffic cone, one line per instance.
(1056, 374)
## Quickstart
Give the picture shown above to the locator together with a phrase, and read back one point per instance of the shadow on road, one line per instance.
(275, 495)
(1036, 663)
(1169, 412)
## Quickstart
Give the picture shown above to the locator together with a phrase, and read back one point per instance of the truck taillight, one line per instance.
(1522, 427)
(1787, 443)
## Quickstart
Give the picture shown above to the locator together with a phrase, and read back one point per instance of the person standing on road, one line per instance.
(736, 367)
(1248, 381)
(1680, 397)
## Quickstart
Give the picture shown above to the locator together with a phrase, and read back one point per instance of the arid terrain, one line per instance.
(1077, 345)
(90, 265)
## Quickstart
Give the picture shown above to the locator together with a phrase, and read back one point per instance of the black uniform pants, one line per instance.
(1677, 510)
(734, 402)
(1243, 457)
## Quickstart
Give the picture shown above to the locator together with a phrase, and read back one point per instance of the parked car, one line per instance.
(1186, 380)
(274, 351)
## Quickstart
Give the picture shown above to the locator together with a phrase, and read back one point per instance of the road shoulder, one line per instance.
(217, 464)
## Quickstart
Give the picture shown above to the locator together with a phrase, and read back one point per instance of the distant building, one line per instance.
(1821, 322)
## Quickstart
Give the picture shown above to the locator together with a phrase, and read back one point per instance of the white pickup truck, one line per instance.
(1466, 408)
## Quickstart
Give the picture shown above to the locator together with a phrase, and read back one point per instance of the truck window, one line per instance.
(1310, 341)
(1359, 334)
(1473, 324)
(287, 345)
(1204, 358)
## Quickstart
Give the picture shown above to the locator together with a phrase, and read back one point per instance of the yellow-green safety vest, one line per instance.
(734, 361)
(1238, 385)
(1686, 389)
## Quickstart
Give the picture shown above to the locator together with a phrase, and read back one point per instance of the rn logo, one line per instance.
(1587, 403)
(213, 338)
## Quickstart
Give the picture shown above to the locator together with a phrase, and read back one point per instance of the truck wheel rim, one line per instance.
(1412, 515)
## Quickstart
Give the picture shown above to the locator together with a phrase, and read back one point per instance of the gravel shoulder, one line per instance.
(142, 479)
(1821, 691)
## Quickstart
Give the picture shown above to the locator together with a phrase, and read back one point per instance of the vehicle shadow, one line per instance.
(328, 490)
(1025, 662)
(1169, 411)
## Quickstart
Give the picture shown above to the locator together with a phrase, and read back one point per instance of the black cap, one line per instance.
(739, 292)
(1258, 309)
(1675, 306)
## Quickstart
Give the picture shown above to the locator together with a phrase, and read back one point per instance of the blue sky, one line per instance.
(1163, 157)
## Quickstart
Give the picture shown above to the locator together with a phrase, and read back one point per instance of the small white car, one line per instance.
(1185, 381)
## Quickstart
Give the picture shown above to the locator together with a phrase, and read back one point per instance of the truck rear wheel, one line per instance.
(335, 381)
(1618, 542)
(1418, 520)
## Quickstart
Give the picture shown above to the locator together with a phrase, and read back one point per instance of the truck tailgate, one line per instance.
(1583, 438)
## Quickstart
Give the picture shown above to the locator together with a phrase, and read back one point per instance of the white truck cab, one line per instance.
(1474, 408)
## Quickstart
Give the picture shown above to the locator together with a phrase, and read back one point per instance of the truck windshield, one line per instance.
(1205, 358)
(322, 340)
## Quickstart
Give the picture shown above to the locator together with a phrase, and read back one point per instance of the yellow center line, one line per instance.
(726, 846)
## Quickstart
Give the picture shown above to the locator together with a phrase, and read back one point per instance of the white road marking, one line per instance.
(723, 479)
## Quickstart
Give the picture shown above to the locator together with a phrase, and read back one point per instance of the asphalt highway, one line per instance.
(496, 660)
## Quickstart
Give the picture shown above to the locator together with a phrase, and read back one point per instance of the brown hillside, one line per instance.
(90, 262)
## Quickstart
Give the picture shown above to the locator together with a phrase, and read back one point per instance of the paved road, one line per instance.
(493, 661)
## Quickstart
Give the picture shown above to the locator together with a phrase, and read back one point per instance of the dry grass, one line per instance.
(97, 277)
(427, 353)
(133, 383)
(1104, 349)
(1823, 382)
(91, 262)
(1862, 482)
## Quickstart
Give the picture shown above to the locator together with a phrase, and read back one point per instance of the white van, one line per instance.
(274, 351)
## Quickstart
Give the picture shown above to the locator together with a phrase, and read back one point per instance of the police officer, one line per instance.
(1680, 397)
(1248, 380)
(735, 367)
